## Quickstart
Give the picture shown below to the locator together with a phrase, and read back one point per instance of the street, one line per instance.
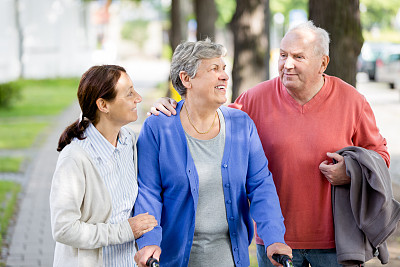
(385, 103)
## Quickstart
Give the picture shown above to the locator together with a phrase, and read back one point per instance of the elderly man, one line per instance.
(302, 117)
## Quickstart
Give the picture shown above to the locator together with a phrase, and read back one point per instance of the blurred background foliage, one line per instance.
(379, 14)
(375, 15)
(135, 30)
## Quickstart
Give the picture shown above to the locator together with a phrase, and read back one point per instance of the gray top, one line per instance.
(211, 242)
(365, 212)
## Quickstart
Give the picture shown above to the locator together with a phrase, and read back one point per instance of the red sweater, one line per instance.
(296, 138)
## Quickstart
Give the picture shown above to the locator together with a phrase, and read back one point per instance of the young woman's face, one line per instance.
(123, 109)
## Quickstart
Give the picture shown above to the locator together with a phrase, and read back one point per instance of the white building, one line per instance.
(60, 38)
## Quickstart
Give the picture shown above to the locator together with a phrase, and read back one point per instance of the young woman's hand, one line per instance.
(142, 223)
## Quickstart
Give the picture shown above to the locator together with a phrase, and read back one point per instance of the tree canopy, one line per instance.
(378, 13)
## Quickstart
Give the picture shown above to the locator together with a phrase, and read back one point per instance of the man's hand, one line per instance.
(164, 104)
(278, 248)
(147, 252)
(142, 223)
(335, 173)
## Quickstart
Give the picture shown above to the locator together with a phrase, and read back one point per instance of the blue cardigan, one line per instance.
(168, 187)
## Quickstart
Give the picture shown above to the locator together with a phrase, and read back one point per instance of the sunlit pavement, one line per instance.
(385, 103)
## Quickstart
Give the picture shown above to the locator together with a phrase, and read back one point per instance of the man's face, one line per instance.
(300, 68)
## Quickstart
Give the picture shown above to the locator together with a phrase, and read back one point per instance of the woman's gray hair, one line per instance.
(187, 58)
(323, 40)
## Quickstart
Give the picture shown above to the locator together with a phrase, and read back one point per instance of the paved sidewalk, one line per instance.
(32, 243)
(385, 103)
(386, 106)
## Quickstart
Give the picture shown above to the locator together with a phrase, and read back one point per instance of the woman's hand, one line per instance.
(164, 104)
(142, 223)
(147, 252)
(278, 248)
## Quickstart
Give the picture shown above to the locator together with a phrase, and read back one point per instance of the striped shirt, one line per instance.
(116, 167)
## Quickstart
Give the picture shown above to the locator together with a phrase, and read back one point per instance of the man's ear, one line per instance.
(185, 79)
(102, 105)
(324, 63)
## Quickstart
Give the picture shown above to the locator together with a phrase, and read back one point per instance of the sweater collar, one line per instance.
(315, 101)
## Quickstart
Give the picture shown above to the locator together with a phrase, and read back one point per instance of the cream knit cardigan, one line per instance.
(80, 207)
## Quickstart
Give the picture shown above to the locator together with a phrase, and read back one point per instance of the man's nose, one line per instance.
(289, 63)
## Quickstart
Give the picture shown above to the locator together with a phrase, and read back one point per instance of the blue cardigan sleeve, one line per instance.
(149, 180)
(264, 202)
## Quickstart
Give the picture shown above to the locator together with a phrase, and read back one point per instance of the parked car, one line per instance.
(388, 66)
(370, 52)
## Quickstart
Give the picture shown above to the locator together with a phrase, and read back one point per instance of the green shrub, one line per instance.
(9, 92)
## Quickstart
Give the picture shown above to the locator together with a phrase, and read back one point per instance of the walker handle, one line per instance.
(152, 262)
(285, 260)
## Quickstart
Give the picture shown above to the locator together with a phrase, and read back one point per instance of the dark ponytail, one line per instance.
(76, 129)
(97, 82)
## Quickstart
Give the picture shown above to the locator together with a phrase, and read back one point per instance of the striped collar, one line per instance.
(101, 147)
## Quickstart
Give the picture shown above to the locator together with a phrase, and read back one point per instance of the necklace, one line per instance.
(194, 127)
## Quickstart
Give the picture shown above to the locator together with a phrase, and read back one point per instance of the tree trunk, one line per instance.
(175, 37)
(175, 33)
(206, 16)
(250, 27)
(341, 18)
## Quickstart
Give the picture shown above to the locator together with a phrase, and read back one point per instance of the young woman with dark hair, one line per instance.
(94, 186)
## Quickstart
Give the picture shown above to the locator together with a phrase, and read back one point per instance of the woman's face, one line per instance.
(123, 108)
(210, 83)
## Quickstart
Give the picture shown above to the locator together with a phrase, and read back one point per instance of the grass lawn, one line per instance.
(21, 124)
(16, 135)
(8, 198)
(40, 100)
(10, 164)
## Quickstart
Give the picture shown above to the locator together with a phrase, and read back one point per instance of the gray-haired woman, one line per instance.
(205, 174)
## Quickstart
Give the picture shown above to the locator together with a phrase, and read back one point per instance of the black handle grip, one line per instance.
(152, 262)
(285, 260)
